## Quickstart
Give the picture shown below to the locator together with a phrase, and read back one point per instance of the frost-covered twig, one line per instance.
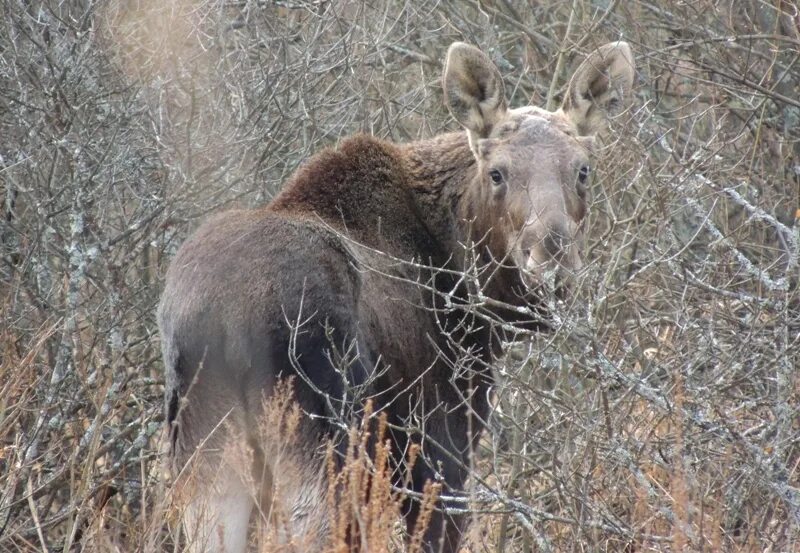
(780, 284)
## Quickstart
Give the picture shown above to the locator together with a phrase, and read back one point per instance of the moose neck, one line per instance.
(442, 172)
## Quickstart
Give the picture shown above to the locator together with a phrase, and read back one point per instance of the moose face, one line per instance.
(533, 165)
(536, 171)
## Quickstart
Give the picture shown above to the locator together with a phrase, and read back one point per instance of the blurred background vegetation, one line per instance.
(662, 415)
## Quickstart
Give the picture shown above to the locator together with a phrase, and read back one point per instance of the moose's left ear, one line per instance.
(601, 86)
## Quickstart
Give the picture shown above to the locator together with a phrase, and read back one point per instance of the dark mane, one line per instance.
(362, 187)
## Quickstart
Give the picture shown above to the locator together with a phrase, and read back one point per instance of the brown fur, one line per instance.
(353, 273)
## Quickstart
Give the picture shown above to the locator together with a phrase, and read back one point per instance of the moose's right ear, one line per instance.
(473, 90)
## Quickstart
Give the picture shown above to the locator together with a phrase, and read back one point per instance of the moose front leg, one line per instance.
(446, 456)
(443, 532)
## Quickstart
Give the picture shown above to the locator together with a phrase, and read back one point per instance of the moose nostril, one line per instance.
(556, 242)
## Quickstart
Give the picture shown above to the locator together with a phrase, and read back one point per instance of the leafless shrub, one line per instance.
(663, 412)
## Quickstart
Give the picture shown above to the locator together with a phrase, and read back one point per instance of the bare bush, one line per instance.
(661, 414)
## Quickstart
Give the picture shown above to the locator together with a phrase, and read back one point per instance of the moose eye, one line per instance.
(496, 176)
(583, 174)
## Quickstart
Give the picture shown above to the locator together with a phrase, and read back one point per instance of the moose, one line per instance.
(394, 270)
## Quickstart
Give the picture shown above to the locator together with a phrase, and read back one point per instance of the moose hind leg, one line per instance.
(217, 517)
(298, 501)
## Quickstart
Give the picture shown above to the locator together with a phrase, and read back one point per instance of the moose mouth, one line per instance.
(548, 277)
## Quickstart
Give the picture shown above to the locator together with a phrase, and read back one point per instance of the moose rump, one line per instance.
(351, 284)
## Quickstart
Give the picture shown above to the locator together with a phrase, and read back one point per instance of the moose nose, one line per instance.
(556, 241)
(547, 245)
(550, 251)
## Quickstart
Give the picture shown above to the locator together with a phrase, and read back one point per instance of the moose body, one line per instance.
(351, 283)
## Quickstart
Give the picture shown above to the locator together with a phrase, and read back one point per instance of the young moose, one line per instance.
(356, 264)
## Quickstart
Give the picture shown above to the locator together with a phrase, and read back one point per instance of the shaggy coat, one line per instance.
(351, 281)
